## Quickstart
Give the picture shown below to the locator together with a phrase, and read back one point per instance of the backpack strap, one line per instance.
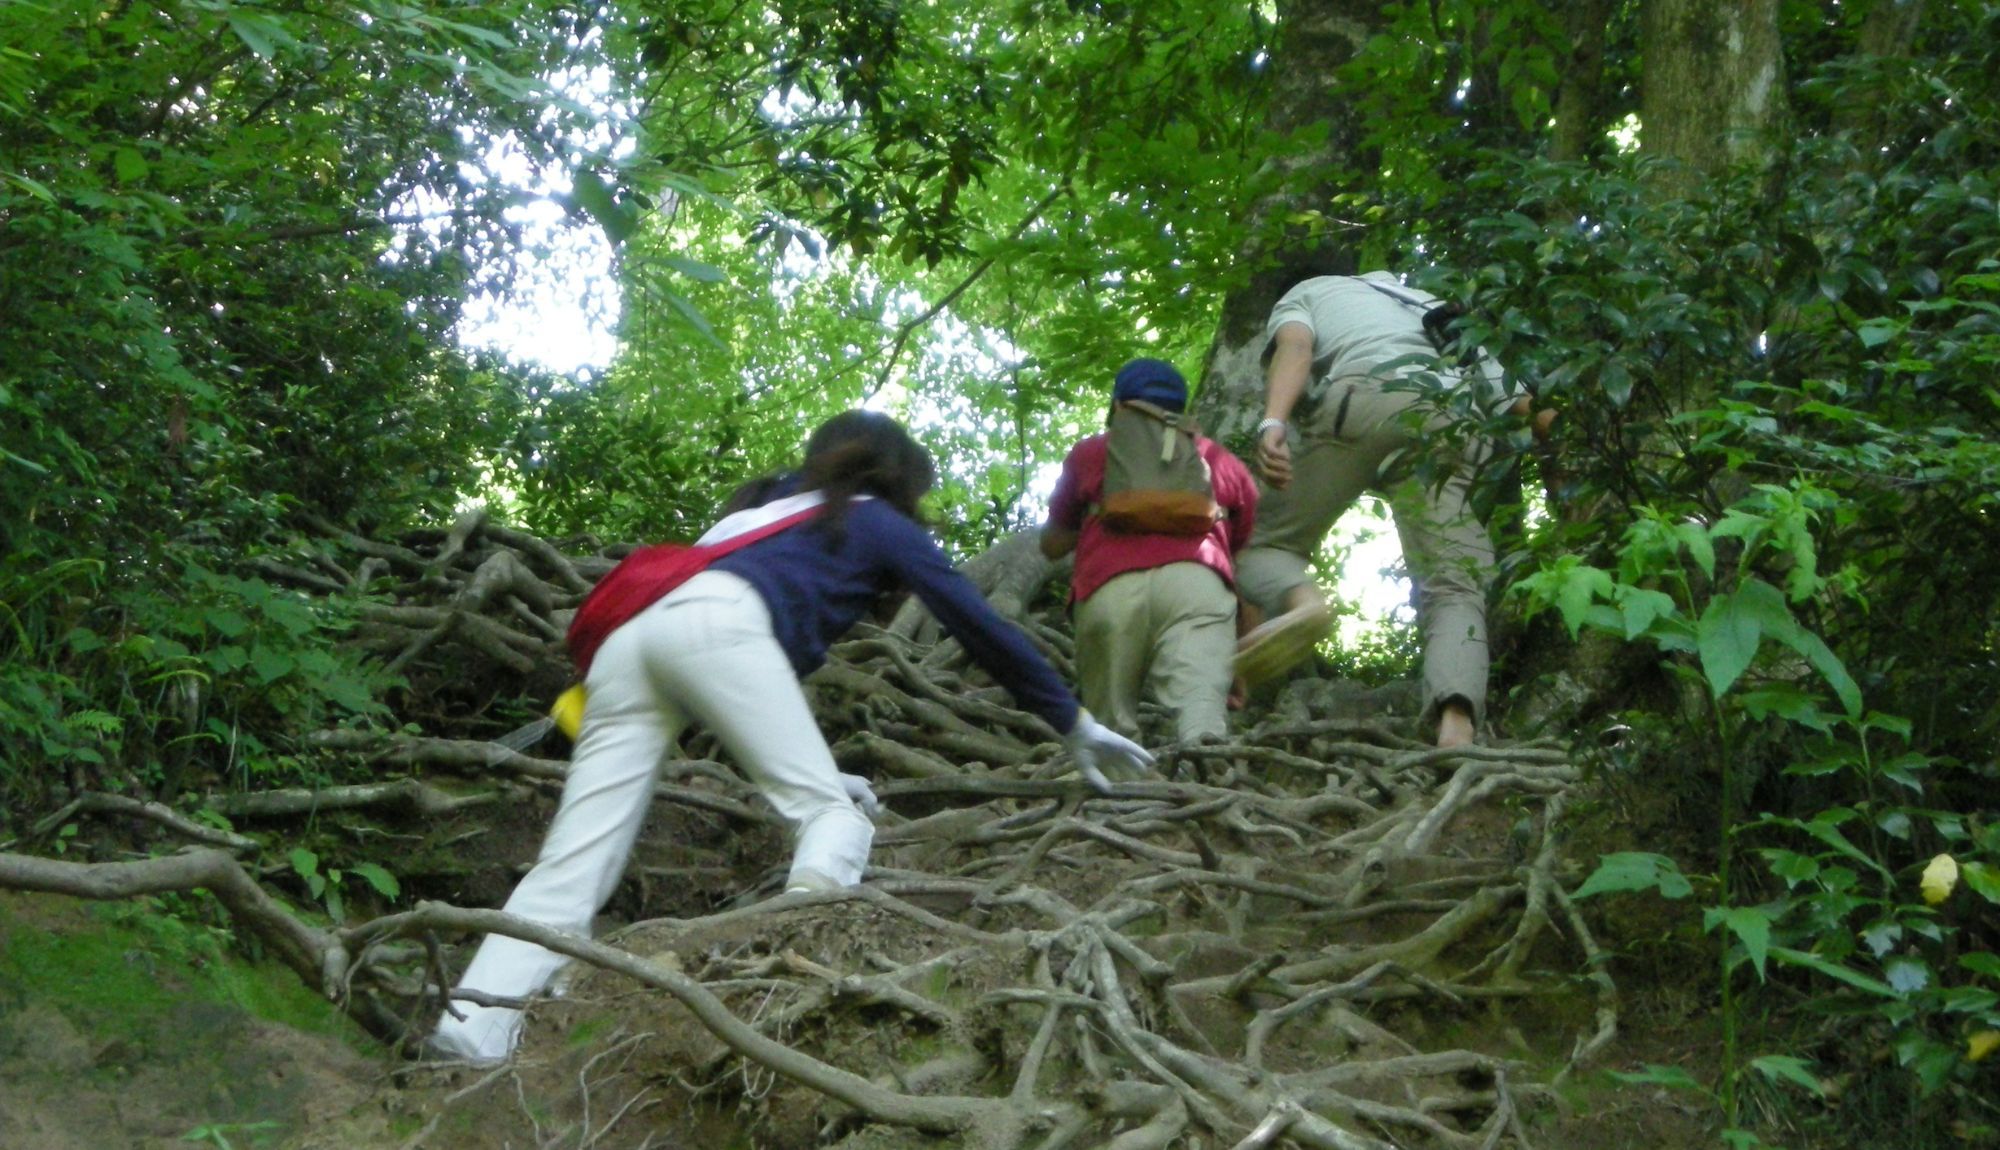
(1177, 420)
(1437, 318)
(755, 518)
(1406, 296)
(648, 574)
(1478, 369)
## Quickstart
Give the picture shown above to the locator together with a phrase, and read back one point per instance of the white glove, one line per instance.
(861, 793)
(1100, 751)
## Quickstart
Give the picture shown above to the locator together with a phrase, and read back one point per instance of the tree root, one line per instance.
(1230, 953)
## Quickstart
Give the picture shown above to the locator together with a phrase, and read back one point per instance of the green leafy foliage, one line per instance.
(225, 315)
(1636, 870)
(204, 675)
(967, 217)
(1778, 448)
(235, 240)
(330, 885)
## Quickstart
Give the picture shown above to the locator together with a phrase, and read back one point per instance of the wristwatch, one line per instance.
(1271, 423)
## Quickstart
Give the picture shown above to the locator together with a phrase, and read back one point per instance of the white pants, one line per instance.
(703, 653)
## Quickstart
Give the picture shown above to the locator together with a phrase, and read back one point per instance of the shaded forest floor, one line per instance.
(1320, 933)
(120, 1028)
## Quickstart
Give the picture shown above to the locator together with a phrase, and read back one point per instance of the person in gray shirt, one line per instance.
(1355, 342)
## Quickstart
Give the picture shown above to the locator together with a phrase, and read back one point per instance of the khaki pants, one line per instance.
(1171, 627)
(1358, 439)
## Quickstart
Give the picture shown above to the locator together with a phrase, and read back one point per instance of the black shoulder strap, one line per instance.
(1437, 317)
(1400, 294)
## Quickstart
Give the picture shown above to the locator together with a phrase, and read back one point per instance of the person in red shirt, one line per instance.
(1152, 610)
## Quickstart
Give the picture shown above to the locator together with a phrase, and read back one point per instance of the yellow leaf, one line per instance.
(568, 711)
(1981, 1044)
(1939, 878)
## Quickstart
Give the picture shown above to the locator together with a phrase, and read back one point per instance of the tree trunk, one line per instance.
(1579, 129)
(1890, 29)
(1887, 32)
(1316, 38)
(1713, 84)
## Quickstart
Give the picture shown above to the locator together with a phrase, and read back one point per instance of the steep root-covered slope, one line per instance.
(1319, 933)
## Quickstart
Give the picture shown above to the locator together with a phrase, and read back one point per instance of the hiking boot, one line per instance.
(1277, 646)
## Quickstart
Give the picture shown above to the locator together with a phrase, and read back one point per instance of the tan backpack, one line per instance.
(1155, 480)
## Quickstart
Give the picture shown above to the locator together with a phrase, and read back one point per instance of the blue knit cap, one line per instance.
(1154, 381)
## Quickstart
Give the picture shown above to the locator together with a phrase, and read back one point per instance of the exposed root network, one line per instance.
(1320, 933)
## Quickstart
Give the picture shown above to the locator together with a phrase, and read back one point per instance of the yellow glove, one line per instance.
(568, 711)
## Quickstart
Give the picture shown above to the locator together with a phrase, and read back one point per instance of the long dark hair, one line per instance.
(854, 453)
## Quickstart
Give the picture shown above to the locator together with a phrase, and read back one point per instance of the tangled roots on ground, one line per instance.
(1320, 933)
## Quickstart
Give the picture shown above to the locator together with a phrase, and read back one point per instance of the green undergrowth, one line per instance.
(134, 971)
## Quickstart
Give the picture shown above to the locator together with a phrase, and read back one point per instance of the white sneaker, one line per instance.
(809, 881)
(437, 1051)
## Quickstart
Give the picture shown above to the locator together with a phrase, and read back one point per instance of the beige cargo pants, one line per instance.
(1172, 628)
(1359, 439)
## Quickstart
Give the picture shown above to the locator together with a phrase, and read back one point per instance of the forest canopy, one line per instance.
(1749, 251)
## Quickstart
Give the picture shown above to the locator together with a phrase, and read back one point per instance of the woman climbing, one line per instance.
(795, 562)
